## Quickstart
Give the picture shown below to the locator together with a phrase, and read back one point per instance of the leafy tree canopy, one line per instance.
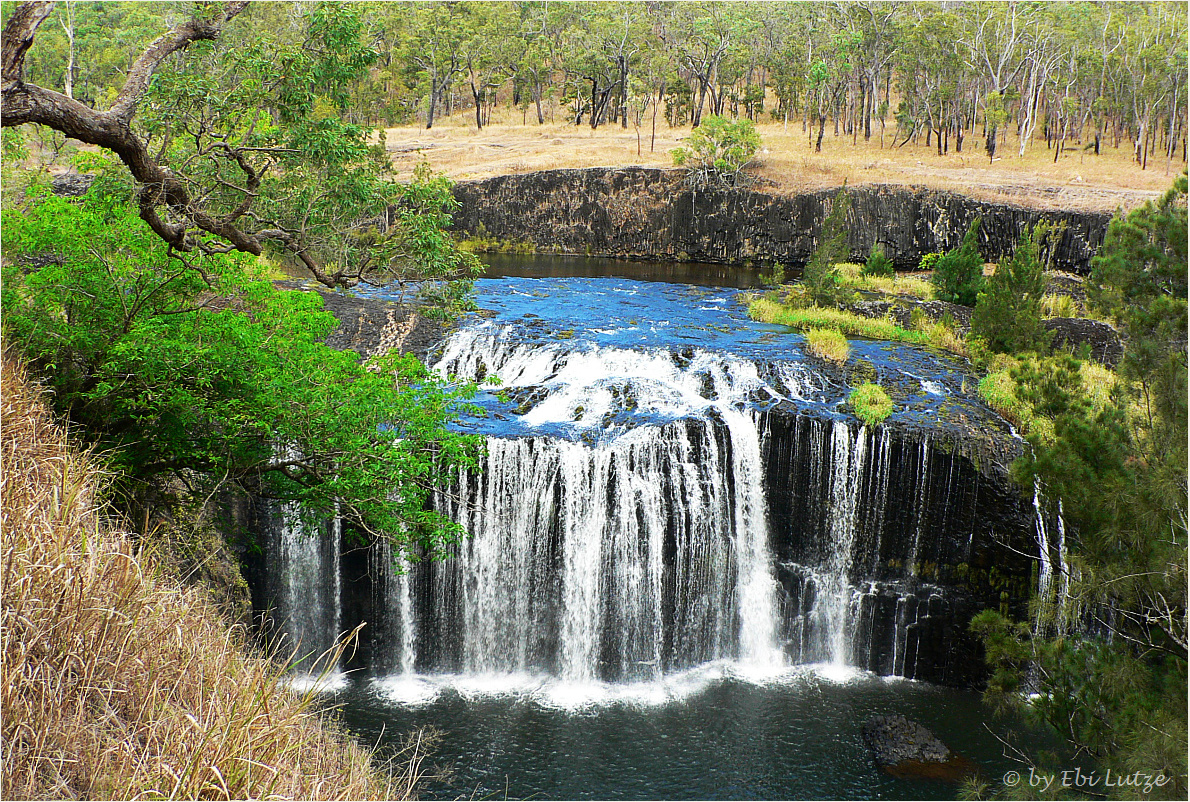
(1007, 314)
(197, 373)
(958, 274)
(718, 150)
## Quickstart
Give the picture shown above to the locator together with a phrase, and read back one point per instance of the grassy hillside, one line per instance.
(117, 682)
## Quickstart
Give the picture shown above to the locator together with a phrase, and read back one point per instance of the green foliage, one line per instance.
(718, 150)
(821, 282)
(878, 263)
(1115, 457)
(870, 403)
(958, 274)
(928, 261)
(201, 374)
(1007, 316)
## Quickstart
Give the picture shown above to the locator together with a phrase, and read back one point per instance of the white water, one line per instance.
(308, 596)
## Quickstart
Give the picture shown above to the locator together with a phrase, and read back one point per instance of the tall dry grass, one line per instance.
(117, 682)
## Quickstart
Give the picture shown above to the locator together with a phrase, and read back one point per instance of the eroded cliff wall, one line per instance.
(647, 213)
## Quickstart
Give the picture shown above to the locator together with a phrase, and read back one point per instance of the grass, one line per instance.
(828, 344)
(847, 323)
(1055, 305)
(870, 403)
(515, 143)
(117, 682)
(998, 389)
(851, 276)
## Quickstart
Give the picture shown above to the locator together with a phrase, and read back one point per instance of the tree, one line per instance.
(718, 151)
(819, 275)
(1109, 656)
(204, 377)
(243, 148)
(1007, 314)
(958, 274)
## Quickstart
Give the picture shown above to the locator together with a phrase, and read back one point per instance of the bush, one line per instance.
(958, 274)
(878, 264)
(871, 404)
(828, 344)
(1008, 314)
(718, 150)
(928, 261)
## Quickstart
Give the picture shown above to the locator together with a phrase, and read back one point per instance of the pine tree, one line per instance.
(958, 274)
(1008, 314)
(819, 276)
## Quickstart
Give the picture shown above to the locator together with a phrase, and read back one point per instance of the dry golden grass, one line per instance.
(118, 683)
(1079, 180)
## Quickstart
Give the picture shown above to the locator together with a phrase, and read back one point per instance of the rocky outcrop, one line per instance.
(906, 749)
(648, 213)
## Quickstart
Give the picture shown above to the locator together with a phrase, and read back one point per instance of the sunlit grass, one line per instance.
(847, 323)
(1055, 305)
(851, 276)
(828, 344)
(870, 403)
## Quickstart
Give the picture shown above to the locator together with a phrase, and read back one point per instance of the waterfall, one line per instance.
(306, 581)
(643, 511)
(618, 561)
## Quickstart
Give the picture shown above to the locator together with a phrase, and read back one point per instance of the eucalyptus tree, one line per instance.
(433, 48)
(234, 137)
(699, 35)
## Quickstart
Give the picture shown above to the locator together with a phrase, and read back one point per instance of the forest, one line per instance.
(1095, 74)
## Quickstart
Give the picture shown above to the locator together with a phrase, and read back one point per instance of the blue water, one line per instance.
(643, 321)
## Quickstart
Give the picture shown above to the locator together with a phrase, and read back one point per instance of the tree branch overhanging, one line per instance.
(160, 187)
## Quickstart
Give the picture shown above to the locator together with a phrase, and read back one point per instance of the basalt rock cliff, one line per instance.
(648, 213)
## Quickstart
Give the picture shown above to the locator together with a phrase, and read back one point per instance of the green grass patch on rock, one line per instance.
(871, 404)
(847, 323)
(828, 344)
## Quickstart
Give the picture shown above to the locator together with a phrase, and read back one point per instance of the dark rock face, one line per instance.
(1070, 333)
(72, 185)
(648, 213)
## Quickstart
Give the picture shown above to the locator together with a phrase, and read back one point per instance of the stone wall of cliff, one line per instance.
(646, 213)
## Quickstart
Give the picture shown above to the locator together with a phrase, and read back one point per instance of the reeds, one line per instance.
(117, 682)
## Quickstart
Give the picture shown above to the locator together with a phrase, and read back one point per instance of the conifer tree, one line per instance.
(819, 276)
(958, 274)
(1008, 314)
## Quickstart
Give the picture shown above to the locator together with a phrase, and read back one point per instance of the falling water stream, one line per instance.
(632, 616)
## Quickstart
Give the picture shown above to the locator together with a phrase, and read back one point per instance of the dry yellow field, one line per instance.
(1079, 180)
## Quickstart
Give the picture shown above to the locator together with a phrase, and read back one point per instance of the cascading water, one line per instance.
(306, 583)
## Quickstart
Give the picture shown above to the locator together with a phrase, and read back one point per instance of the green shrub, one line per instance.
(928, 261)
(870, 403)
(958, 274)
(1008, 314)
(828, 344)
(878, 263)
(718, 150)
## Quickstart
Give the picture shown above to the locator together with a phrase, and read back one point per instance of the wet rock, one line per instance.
(896, 739)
